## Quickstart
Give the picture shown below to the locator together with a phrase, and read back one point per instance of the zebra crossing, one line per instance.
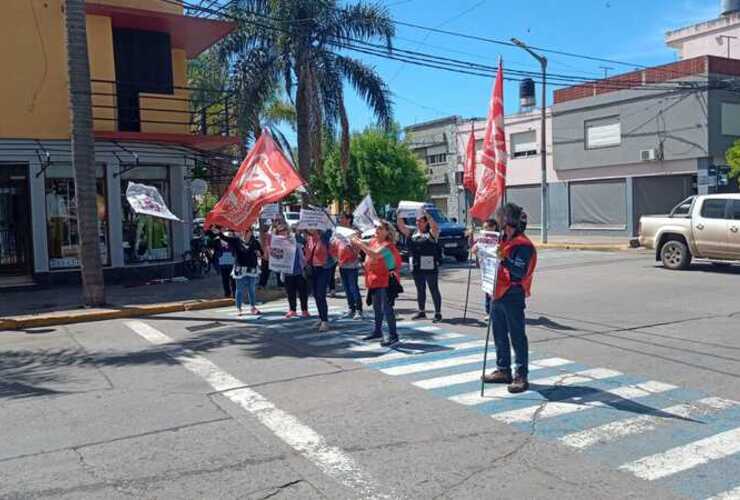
(678, 438)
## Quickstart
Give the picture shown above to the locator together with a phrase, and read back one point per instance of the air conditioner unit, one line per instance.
(648, 154)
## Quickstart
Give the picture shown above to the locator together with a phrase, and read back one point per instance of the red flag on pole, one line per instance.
(469, 170)
(265, 176)
(492, 180)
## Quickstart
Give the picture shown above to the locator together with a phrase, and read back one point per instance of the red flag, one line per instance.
(469, 170)
(265, 176)
(492, 180)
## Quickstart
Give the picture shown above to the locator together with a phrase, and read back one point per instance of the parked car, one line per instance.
(292, 218)
(702, 227)
(453, 242)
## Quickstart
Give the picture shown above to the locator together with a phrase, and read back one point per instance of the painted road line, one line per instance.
(558, 408)
(473, 376)
(392, 354)
(686, 457)
(561, 379)
(432, 365)
(733, 494)
(643, 424)
(331, 460)
(404, 353)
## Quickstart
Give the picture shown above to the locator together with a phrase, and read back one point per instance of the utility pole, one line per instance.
(543, 138)
(606, 70)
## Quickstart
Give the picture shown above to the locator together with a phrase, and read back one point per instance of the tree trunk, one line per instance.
(303, 123)
(83, 153)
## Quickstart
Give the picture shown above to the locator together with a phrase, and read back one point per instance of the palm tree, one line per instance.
(83, 153)
(300, 45)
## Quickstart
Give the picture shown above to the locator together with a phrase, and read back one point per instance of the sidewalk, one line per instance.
(596, 243)
(37, 307)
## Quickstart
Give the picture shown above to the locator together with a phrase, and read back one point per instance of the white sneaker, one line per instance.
(324, 327)
(359, 316)
(348, 315)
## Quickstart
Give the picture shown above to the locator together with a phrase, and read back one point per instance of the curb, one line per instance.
(87, 316)
(584, 246)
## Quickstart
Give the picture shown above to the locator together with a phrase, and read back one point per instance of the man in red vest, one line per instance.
(518, 259)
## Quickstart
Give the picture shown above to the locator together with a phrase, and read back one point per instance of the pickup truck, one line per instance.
(702, 227)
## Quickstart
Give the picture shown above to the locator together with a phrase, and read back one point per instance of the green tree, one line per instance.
(299, 44)
(380, 164)
(732, 156)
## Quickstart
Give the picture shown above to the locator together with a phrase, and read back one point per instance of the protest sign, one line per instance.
(409, 209)
(282, 254)
(344, 233)
(314, 219)
(487, 245)
(270, 211)
(365, 215)
(146, 200)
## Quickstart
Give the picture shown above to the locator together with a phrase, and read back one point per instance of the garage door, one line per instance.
(658, 195)
(527, 197)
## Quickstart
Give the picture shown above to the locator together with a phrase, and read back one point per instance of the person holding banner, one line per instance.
(319, 263)
(349, 268)
(424, 252)
(295, 283)
(265, 240)
(247, 251)
(518, 260)
(380, 264)
(491, 226)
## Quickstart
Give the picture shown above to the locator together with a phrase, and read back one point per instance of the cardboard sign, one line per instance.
(487, 247)
(270, 211)
(314, 219)
(409, 210)
(344, 233)
(282, 254)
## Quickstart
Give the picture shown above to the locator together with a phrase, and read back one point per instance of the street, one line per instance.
(635, 379)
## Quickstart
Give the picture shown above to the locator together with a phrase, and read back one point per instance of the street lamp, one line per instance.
(543, 140)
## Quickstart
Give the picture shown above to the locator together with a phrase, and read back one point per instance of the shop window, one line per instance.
(145, 238)
(61, 217)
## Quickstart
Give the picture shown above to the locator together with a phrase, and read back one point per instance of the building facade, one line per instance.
(144, 126)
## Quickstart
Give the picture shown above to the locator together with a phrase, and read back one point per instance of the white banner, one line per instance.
(487, 246)
(282, 254)
(365, 216)
(270, 211)
(314, 219)
(344, 233)
(146, 200)
(409, 210)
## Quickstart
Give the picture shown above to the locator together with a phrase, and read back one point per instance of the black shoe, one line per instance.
(419, 315)
(437, 318)
(373, 336)
(390, 342)
(519, 384)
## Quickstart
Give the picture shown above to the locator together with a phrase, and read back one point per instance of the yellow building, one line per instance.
(144, 127)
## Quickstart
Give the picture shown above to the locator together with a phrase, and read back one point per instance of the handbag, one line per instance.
(308, 268)
(394, 287)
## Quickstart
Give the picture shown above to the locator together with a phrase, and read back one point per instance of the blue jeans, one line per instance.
(320, 282)
(351, 288)
(250, 284)
(507, 321)
(383, 308)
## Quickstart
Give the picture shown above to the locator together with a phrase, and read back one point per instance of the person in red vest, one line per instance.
(518, 260)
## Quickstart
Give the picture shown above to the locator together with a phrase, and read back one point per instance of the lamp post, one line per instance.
(543, 139)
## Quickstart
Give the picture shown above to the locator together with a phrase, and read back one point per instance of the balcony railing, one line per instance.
(121, 107)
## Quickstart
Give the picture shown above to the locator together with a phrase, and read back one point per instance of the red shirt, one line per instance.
(317, 251)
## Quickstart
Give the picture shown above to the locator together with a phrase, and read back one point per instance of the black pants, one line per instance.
(422, 279)
(265, 274)
(296, 286)
(332, 278)
(227, 281)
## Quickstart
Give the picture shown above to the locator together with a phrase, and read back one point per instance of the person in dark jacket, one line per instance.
(517, 261)
(424, 252)
(222, 258)
(247, 252)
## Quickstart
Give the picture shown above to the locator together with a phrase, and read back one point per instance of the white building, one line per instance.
(719, 37)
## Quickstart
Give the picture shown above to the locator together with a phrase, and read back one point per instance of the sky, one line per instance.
(630, 31)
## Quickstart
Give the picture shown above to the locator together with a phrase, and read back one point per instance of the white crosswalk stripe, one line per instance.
(472, 376)
(390, 355)
(686, 457)
(432, 365)
(556, 408)
(644, 423)
(733, 494)
(563, 379)
(402, 354)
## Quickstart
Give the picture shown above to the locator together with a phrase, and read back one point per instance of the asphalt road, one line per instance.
(635, 382)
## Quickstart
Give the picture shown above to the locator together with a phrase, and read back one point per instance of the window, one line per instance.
(730, 119)
(61, 217)
(603, 133)
(437, 159)
(598, 205)
(523, 144)
(683, 209)
(735, 210)
(459, 178)
(714, 208)
(145, 238)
